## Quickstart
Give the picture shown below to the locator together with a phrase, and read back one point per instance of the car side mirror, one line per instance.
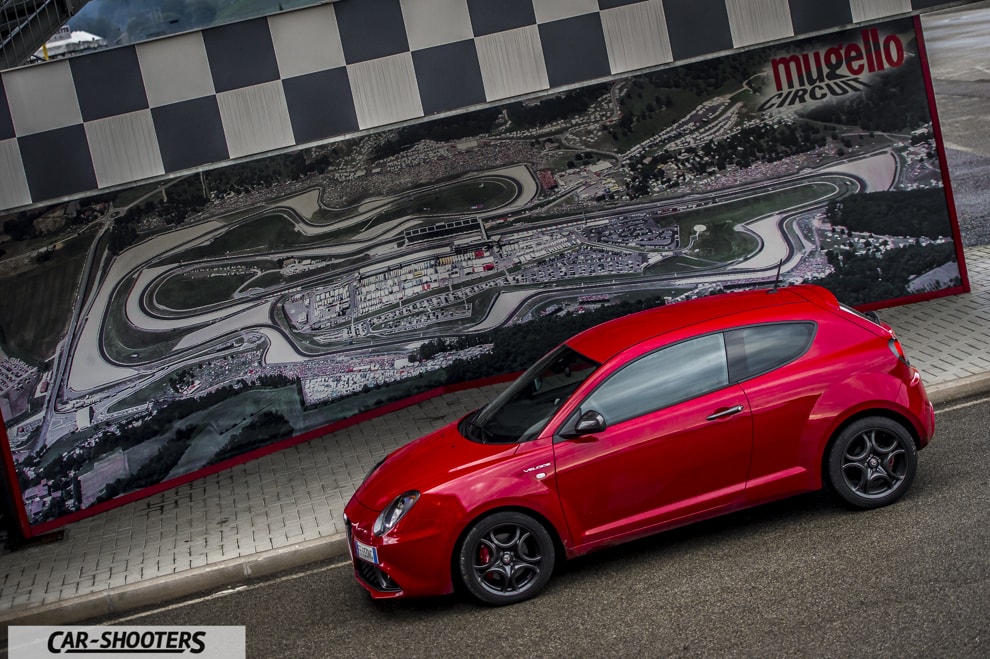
(589, 423)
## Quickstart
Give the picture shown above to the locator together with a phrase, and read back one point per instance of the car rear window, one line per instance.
(758, 349)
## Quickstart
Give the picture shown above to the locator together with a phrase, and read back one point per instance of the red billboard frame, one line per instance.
(28, 530)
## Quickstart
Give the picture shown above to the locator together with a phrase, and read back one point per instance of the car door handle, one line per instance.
(726, 412)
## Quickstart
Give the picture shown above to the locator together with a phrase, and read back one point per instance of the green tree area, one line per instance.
(190, 195)
(159, 424)
(449, 129)
(763, 143)
(181, 380)
(180, 200)
(156, 469)
(656, 101)
(896, 101)
(751, 145)
(22, 226)
(900, 213)
(265, 428)
(264, 172)
(709, 77)
(545, 111)
(863, 278)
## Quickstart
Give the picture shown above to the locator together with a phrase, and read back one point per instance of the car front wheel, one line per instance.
(506, 558)
(872, 462)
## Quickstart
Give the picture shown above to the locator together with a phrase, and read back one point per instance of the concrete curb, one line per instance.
(950, 392)
(238, 570)
(175, 586)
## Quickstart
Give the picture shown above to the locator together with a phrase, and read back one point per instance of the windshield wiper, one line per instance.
(483, 436)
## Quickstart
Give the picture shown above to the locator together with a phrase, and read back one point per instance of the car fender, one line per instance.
(844, 400)
(522, 482)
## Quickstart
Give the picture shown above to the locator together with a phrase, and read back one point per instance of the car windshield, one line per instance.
(520, 412)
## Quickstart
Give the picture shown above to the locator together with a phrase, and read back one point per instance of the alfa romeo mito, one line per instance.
(641, 424)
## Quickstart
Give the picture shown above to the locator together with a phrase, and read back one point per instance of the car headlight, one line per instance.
(394, 512)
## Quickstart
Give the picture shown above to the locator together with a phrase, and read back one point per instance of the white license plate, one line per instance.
(366, 553)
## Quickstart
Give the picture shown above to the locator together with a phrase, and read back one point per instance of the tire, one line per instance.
(871, 463)
(506, 558)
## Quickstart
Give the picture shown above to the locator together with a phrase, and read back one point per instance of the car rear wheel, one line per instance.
(506, 558)
(872, 462)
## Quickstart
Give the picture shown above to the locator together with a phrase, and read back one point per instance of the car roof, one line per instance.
(604, 341)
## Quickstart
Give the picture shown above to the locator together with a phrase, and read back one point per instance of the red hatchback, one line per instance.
(641, 424)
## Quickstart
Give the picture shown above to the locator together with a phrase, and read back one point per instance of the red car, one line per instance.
(638, 425)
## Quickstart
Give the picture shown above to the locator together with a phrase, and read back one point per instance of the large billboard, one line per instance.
(153, 335)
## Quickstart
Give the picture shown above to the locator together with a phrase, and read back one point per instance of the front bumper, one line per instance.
(413, 559)
(370, 575)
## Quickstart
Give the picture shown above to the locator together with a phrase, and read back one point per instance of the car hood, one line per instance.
(427, 463)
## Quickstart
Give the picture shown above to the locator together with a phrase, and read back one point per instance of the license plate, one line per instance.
(366, 552)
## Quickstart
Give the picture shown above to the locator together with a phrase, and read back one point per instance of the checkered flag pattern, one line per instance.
(154, 109)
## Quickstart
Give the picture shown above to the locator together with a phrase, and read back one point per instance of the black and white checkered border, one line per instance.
(149, 110)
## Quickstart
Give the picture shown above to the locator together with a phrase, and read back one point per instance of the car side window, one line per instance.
(761, 348)
(661, 379)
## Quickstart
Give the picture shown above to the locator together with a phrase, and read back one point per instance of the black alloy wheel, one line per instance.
(506, 558)
(872, 462)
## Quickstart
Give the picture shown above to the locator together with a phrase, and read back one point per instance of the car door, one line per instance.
(677, 441)
(784, 378)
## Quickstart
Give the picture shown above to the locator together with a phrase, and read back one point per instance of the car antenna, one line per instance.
(776, 279)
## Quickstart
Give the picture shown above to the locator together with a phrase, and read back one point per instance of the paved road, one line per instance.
(803, 577)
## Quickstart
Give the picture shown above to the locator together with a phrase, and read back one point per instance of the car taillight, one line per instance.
(895, 347)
